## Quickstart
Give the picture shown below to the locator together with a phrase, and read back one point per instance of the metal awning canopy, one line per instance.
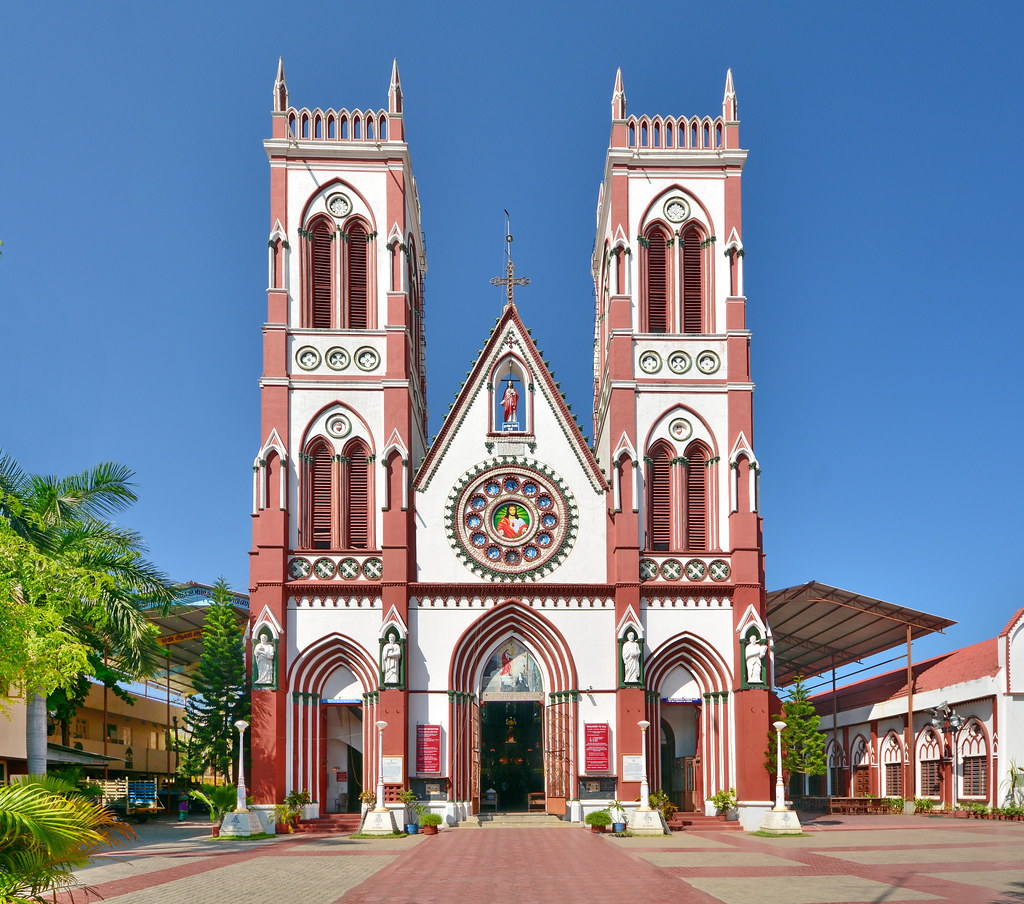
(181, 633)
(817, 628)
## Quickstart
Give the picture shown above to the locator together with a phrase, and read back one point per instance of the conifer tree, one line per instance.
(221, 690)
(803, 744)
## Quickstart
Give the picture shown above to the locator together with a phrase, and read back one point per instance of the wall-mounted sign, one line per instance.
(632, 768)
(595, 746)
(394, 770)
(428, 749)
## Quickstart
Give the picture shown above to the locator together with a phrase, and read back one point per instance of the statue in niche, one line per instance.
(263, 657)
(509, 403)
(391, 659)
(631, 653)
(753, 655)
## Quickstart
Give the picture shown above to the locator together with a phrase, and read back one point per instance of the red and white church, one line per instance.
(512, 603)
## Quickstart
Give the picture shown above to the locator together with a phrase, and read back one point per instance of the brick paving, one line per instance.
(848, 860)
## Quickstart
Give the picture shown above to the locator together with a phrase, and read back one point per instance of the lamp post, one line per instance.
(780, 788)
(949, 721)
(645, 791)
(381, 725)
(240, 807)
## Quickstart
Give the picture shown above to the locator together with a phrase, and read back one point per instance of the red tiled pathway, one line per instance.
(524, 866)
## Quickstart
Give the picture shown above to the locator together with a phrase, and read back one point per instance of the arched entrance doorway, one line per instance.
(533, 685)
(343, 731)
(511, 727)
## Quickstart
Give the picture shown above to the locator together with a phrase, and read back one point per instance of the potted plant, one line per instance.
(723, 801)
(598, 820)
(660, 800)
(430, 821)
(412, 812)
(617, 811)
(285, 819)
(220, 799)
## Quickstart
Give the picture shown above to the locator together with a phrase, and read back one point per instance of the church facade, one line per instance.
(507, 617)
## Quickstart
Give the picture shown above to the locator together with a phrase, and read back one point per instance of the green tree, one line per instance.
(47, 831)
(803, 745)
(221, 692)
(76, 581)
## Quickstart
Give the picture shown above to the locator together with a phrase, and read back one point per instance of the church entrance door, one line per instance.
(511, 752)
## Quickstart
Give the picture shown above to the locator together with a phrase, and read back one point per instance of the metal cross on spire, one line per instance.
(509, 279)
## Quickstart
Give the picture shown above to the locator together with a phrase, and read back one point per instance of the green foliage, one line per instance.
(431, 819)
(978, 809)
(47, 831)
(598, 818)
(923, 803)
(803, 745)
(724, 800)
(220, 799)
(221, 693)
(660, 800)
(1014, 784)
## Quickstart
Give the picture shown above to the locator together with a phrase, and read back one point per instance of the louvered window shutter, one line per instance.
(358, 283)
(357, 497)
(660, 501)
(657, 282)
(320, 497)
(693, 290)
(697, 501)
(321, 253)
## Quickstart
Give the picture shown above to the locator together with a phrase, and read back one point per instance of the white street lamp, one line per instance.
(240, 807)
(780, 789)
(381, 725)
(645, 791)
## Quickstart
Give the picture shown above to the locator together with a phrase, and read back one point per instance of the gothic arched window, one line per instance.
(320, 496)
(321, 276)
(659, 498)
(357, 278)
(355, 496)
(656, 282)
(695, 495)
(692, 281)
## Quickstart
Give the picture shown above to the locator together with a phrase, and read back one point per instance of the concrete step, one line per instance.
(698, 822)
(334, 823)
(517, 820)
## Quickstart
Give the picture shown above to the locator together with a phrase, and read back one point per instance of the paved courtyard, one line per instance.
(845, 860)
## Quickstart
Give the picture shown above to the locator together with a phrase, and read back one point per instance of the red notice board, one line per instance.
(428, 749)
(595, 741)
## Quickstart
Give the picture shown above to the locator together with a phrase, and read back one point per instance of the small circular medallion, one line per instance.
(648, 569)
(695, 570)
(676, 210)
(348, 569)
(719, 570)
(650, 362)
(367, 358)
(339, 205)
(324, 568)
(680, 429)
(299, 568)
(307, 357)
(707, 362)
(671, 569)
(679, 362)
(373, 568)
(337, 358)
(338, 426)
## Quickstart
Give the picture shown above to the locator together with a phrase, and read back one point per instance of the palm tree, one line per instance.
(47, 831)
(64, 519)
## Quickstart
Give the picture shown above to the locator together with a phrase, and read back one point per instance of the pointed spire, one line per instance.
(618, 97)
(395, 90)
(729, 108)
(280, 88)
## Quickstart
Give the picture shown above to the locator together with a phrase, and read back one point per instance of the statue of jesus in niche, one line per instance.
(509, 402)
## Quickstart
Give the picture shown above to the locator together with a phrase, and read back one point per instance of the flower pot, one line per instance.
(597, 829)
(428, 830)
(618, 827)
(413, 828)
(283, 828)
(215, 830)
(720, 817)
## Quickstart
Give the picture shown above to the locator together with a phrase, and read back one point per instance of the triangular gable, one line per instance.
(742, 447)
(510, 334)
(394, 620)
(274, 442)
(751, 620)
(266, 617)
(630, 620)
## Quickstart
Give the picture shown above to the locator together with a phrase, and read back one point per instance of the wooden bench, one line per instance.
(536, 800)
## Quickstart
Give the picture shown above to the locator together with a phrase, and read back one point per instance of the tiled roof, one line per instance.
(979, 660)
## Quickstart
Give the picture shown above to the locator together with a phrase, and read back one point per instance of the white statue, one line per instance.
(263, 656)
(754, 656)
(391, 659)
(631, 659)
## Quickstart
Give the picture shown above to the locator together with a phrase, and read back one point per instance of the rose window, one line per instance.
(511, 522)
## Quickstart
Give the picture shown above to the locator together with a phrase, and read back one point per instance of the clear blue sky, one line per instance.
(882, 229)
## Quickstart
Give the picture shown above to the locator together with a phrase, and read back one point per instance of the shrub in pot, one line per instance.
(430, 822)
(723, 801)
(220, 799)
(599, 820)
(618, 814)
